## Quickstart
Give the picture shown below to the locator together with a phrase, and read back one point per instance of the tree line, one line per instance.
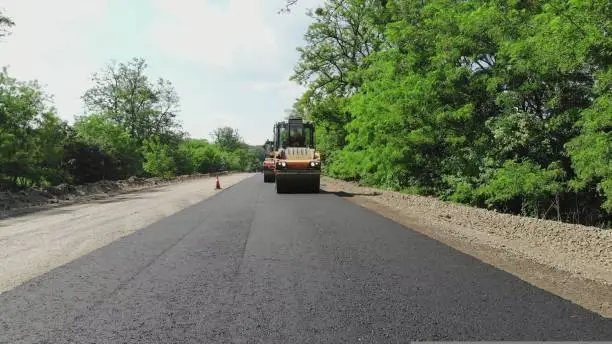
(130, 129)
(499, 104)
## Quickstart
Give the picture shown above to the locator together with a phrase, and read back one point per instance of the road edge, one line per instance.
(29, 275)
(586, 293)
(87, 198)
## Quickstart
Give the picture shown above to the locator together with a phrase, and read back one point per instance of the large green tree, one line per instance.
(31, 135)
(131, 129)
(344, 33)
(496, 103)
(124, 93)
(227, 138)
(119, 153)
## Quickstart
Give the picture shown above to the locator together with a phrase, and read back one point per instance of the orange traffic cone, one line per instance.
(218, 186)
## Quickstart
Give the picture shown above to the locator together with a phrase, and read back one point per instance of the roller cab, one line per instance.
(297, 164)
(268, 170)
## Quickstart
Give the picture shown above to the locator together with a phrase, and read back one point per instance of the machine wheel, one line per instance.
(267, 178)
(280, 187)
(316, 186)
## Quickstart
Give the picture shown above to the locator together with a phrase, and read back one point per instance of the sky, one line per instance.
(229, 60)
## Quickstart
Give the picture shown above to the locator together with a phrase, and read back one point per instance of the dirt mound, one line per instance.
(14, 202)
(578, 257)
(581, 250)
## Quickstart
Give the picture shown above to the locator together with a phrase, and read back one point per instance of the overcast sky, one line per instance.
(229, 60)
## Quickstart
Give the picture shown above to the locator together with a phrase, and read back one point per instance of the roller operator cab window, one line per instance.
(283, 136)
(309, 136)
(295, 135)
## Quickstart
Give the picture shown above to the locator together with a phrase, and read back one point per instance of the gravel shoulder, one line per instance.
(572, 261)
(35, 243)
(15, 203)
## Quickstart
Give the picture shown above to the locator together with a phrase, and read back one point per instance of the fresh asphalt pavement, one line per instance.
(252, 266)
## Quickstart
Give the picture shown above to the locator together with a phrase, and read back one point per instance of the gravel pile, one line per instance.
(584, 252)
(15, 202)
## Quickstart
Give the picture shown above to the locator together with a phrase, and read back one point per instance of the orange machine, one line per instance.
(268, 170)
(297, 163)
(268, 163)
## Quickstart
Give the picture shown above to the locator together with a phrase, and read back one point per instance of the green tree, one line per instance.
(124, 93)
(227, 138)
(344, 33)
(31, 135)
(466, 100)
(591, 151)
(213, 160)
(158, 159)
(116, 143)
(191, 156)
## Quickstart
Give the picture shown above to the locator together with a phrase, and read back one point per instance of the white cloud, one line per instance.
(283, 87)
(221, 119)
(62, 42)
(50, 42)
(228, 36)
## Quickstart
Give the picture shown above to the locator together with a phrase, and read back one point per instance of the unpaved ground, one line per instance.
(572, 261)
(33, 244)
(31, 200)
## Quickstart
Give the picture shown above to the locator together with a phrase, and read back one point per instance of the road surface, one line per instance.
(34, 244)
(250, 266)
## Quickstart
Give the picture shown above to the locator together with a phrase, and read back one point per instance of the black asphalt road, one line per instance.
(251, 266)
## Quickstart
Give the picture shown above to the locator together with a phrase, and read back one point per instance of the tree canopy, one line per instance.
(131, 129)
(499, 104)
(227, 138)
